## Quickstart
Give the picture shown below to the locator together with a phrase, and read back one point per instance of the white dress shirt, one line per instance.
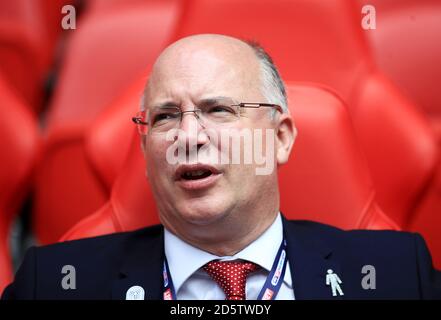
(191, 282)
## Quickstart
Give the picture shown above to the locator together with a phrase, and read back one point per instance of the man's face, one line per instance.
(201, 190)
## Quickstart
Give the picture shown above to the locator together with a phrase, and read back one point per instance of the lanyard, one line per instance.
(269, 290)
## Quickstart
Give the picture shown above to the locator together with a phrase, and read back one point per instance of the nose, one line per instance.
(193, 137)
(187, 120)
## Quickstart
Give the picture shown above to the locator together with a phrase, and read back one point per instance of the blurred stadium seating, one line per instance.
(29, 31)
(20, 142)
(388, 79)
(406, 47)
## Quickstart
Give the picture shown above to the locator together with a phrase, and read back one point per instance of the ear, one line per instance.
(143, 145)
(285, 138)
(143, 139)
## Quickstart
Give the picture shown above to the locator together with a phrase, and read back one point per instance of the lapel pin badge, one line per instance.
(333, 280)
(135, 293)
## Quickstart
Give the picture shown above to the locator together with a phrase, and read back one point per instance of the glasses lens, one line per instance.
(161, 119)
(220, 113)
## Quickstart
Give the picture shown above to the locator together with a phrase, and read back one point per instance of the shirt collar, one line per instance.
(184, 259)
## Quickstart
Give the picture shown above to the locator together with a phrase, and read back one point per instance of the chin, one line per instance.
(202, 213)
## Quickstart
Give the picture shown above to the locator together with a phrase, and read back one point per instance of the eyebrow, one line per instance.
(214, 100)
(167, 104)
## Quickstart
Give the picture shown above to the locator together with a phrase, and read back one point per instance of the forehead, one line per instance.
(198, 70)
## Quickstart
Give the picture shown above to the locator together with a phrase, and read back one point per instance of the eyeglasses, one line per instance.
(163, 118)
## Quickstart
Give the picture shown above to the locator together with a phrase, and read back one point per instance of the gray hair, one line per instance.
(273, 88)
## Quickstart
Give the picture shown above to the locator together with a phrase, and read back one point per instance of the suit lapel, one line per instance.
(142, 267)
(309, 259)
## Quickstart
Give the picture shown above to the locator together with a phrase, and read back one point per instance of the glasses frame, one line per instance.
(138, 120)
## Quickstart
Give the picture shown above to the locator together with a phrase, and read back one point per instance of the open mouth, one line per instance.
(196, 174)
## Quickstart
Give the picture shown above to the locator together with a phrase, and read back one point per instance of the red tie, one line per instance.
(231, 276)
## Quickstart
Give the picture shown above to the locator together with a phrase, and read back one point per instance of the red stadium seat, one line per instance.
(322, 41)
(19, 142)
(406, 46)
(27, 46)
(100, 153)
(53, 14)
(106, 53)
(104, 5)
(326, 179)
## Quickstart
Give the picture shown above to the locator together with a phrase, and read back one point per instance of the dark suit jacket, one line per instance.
(107, 266)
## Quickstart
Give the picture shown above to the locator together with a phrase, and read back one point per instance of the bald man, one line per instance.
(222, 235)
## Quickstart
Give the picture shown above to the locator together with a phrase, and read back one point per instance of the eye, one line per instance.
(164, 116)
(221, 109)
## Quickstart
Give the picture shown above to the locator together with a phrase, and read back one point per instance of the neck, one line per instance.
(224, 239)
